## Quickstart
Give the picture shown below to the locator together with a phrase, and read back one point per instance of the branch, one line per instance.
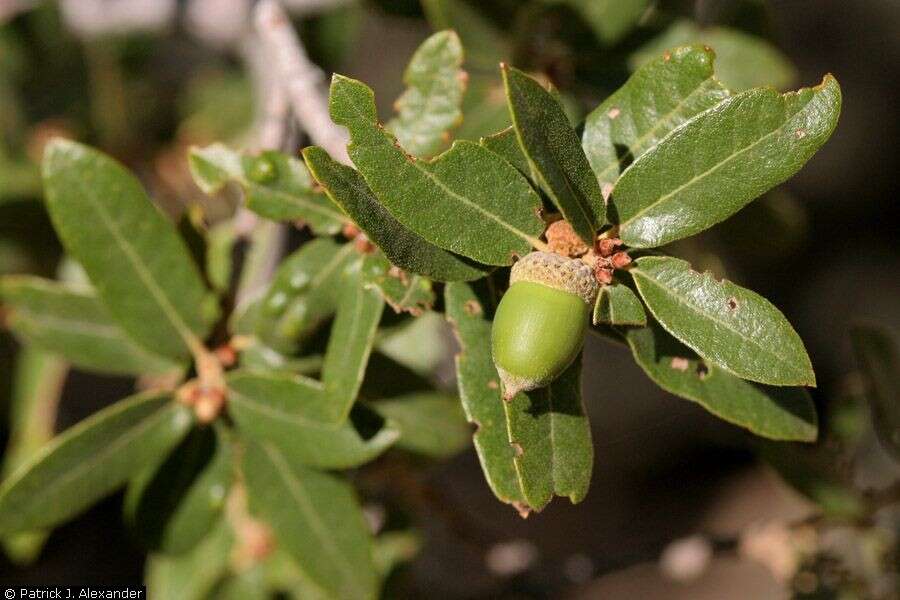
(92, 18)
(303, 82)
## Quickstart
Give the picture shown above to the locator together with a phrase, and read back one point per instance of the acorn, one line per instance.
(540, 324)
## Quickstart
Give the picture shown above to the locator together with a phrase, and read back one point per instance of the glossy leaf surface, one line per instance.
(778, 413)
(712, 166)
(303, 295)
(726, 324)
(659, 97)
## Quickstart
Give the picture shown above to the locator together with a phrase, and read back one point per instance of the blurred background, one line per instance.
(682, 505)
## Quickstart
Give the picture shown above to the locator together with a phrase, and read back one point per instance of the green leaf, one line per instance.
(393, 548)
(778, 413)
(37, 385)
(403, 292)
(430, 107)
(467, 200)
(248, 584)
(618, 305)
(554, 153)
(744, 60)
(90, 460)
(479, 390)
(485, 44)
(350, 344)
(879, 365)
(726, 324)
(610, 19)
(73, 324)
(191, 576)
(316, 518)
(141, 269)
(552, 440)
(659, 97)
(711, 167)
(221, 239)
(430, 423)
(275, 185)
(506, 144)
(172, 506)
(303, 295)
(419, 344)
(293, 413)
(406, 249)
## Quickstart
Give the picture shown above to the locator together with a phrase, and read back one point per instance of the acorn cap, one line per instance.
(559, 272)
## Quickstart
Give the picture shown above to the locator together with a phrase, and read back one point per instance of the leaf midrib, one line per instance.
(433, 178)
(665, 120)
(711, 170)
(126, 437)
(725, 324)
(301, 496)
(187, 335)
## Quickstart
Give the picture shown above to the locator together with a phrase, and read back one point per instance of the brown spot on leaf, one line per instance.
(732, 303)
(492, 384)
(517, 449)
(680, 363)
(667, 56)
(702, 371)
(613, 113)
(800, 134)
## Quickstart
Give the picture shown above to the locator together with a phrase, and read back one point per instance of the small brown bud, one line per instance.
(603, 275)
(607, 246)
(620, 260)
(227, 355)
(350, 231)
(363, 245)
(209, 404)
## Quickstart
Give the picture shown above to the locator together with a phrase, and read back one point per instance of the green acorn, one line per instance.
(540, 324)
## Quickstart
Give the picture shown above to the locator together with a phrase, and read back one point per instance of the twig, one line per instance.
(304, 8)
(303, 82)
(92, 18)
